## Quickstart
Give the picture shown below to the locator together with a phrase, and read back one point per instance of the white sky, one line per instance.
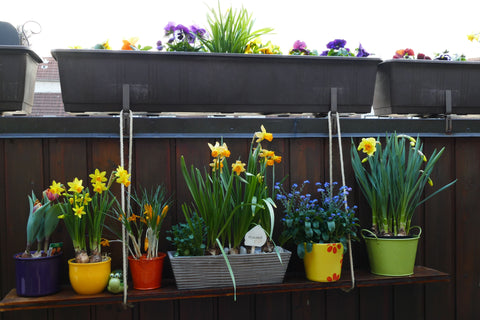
(382, 26)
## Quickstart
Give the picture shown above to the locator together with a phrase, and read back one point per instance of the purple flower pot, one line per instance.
(39, 276)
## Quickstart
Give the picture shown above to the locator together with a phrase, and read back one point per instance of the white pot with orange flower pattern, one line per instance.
(324, 262)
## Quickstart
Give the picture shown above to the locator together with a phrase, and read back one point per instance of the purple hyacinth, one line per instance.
(336, 44)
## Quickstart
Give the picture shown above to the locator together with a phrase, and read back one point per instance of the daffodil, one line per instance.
(219, 150)
(98, 176)
(216, 165)
(238, 167)
(123, 176)
(105, 243)
(263, 135)
(99, 187)
(79, 211)
(148, 211)
(369, 146)
(86, 198)
(56, 188)
(76, 186)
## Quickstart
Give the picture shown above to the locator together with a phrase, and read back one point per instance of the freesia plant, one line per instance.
(145, 221)
(392, 178)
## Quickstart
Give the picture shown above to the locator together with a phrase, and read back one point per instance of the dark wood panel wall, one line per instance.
(450, 225)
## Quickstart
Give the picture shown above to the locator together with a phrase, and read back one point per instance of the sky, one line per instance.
(381, 26)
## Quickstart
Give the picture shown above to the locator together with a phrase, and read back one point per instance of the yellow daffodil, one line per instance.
(473, 36)
(105, 243)
(98, 176)
(369, 146)
(263, 135)
(56, 188)
(123, 176)
(79, 211)
(86, 198)
(277, 159)
(216, 165)
(238, 167)
(219, 150)
(76, 185)
(270, 162)
(99, 187)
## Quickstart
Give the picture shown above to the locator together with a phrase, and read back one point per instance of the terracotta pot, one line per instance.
(147, 273)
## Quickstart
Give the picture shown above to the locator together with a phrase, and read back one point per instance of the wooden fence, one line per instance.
(34, 152)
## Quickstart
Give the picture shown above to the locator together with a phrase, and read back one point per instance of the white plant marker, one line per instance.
(256, 237)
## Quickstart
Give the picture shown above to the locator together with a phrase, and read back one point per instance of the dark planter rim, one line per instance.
(21, 50)
(208, 54)
(433, 62)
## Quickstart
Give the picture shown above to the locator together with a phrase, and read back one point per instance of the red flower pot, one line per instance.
(147, 273)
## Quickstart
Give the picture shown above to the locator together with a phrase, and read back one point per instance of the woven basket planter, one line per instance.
(198, 272)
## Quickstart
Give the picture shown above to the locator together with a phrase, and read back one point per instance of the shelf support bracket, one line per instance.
(334, 108)
(126, 107)
(448, 112)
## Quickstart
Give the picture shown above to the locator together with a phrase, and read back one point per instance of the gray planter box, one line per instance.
(18, 71)
(92, 80)
(419, 87)
(198, 272)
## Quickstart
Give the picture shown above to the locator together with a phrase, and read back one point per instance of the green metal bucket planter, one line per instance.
(391, 256)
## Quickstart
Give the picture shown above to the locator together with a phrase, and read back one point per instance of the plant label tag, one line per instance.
(256, 237)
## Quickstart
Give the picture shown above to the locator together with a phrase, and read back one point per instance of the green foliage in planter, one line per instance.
(189, 237)
(230, 32)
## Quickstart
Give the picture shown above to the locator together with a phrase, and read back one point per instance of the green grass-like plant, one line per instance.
(231, 31)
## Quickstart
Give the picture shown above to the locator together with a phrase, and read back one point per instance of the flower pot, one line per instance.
(419, 87)
(37, 276)
(391, 256)
(92, 81)
(147, 273)
(18, 67)
(195, 272)
(89, 278)
(324, 262)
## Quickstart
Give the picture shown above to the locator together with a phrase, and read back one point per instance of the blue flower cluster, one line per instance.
(325, 218)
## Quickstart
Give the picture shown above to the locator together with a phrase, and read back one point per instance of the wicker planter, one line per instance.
(18, 70)
(420, 87)
(211, 271)
(92, 80)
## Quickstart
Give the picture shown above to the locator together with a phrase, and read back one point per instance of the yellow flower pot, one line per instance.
(324, 262)
(89, 278)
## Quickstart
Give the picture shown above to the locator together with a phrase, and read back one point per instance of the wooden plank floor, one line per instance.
(68, 298)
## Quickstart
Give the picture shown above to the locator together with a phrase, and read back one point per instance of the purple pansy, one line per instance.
(169, 27)
(159, 45)
(336, 44)
(362, 52)
(299, 45)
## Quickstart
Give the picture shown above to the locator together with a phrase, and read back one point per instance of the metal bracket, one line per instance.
(448, 112)
(126, 107)
(334, 108)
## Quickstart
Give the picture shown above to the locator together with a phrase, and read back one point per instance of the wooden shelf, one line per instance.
(68, 298)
